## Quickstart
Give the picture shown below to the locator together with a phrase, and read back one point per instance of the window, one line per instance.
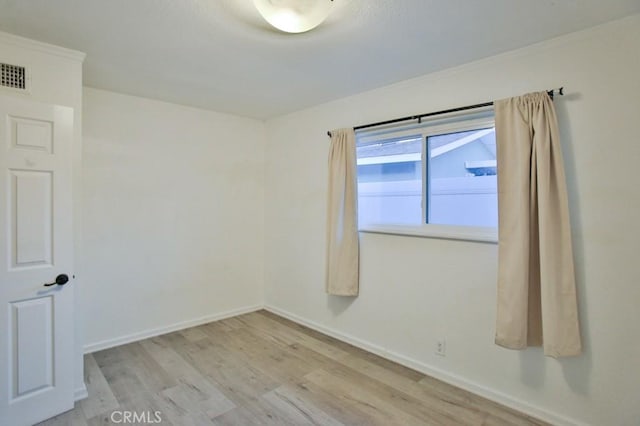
(442, 172)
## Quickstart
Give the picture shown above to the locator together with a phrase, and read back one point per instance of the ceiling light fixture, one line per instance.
(294, 16)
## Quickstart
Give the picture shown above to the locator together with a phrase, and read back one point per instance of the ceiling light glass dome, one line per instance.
(294, 16)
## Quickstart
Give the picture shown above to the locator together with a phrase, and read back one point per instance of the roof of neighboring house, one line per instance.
(413, 145)
(405, 146)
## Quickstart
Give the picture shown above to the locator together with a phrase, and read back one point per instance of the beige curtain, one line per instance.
(343, 250)
(537, 302)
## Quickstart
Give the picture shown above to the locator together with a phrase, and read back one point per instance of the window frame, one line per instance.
(442, 125)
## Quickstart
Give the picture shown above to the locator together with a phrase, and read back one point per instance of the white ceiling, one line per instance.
(220, 55)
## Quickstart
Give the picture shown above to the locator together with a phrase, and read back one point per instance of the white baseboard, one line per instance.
(134, 337)
(452, 379)
(80, 393)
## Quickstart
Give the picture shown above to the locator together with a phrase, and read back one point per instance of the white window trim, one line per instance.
(446, 232)
(430, 230)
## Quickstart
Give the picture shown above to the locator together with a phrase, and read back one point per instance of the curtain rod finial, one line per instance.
(559, 91)
(329, 134)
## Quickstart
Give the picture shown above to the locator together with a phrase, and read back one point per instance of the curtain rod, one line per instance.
(551, 93)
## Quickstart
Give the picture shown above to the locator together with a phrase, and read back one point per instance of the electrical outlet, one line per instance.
(441, 347)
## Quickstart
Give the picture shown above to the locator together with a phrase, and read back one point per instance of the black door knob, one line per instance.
(61, 279)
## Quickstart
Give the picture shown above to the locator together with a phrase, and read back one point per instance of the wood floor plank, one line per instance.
(289, 335)
(344, 410)
(232, 372)
(194, 334)
(395, 386)
(124, 383)
(199, 387)
(102, 399)
(110, 356)
(494, 411)
(438, 400)
(148, 370)
(74, 417)
(261, 369)
(233, 323)
(182, 409)
(257, 412)
(384, 411)
(241, 416)
(145, 404)
(266, 356)
(345, 347)
(280, 360)
(287, 398)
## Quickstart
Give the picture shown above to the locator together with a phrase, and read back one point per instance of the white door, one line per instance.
(36, 237)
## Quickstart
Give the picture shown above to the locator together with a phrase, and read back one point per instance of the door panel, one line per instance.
(36, 235)
(31, 337)
(31, 134)
(30, 199)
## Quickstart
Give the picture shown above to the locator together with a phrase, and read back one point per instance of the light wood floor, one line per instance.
(261, 369)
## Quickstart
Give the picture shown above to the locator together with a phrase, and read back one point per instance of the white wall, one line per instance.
(56, 78)
(172, 216)
(416, 290)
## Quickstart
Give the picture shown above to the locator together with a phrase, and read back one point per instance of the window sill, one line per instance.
(445, 232)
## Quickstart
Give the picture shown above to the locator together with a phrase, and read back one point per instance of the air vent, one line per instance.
(13, 77)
